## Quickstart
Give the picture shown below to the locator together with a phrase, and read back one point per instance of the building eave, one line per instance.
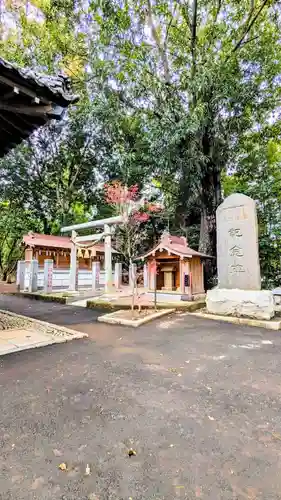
(28, 100)
(161, 248)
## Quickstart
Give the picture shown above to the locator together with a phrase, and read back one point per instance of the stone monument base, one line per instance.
(257, 304)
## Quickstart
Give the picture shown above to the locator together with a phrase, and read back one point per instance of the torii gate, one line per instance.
(106, 223)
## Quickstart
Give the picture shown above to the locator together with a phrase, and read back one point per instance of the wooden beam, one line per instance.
(27, 110)
(4, 131)
(22, 131)
(23, 89)
(7, 96)
(90, 237)
(119, 219)
(25, 121)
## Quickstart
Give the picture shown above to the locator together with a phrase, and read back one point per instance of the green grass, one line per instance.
(41, 296)
(179, 306)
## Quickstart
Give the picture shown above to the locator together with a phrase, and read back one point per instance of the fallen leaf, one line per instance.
(173, 370)
(63, 466)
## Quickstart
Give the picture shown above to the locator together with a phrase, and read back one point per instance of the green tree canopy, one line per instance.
(177, 94)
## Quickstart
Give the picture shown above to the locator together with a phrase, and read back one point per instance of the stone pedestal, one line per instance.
(20, 275)
(118, 275)
(258, 304)
(48, 275)
(95, 275)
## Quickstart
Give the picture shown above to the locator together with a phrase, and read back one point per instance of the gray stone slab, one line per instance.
(25, 338)
(6, 347)
(237, 244)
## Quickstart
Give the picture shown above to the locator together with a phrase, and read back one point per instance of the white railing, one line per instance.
(61, 278)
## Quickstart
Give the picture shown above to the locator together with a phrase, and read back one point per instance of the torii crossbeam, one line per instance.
(106, 223)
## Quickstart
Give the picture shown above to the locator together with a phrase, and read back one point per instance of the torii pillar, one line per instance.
(73, 264)
(106, 223)
(107, 258)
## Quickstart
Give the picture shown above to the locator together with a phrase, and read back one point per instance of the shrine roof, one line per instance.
(176, 245)
(51, 241)
(28, 100)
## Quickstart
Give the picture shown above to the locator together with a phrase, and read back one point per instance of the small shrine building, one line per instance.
(58, 248)
(179, 267)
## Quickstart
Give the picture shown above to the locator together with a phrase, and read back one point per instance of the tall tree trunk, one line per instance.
(211, 198)
(205, 244)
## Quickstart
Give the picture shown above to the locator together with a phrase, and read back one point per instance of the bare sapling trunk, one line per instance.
(155, 292)
(137, 294)
(133, 280)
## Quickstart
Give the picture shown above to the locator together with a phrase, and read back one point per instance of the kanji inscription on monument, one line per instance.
(237, 243)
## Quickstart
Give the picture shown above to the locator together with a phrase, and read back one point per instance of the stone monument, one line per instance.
(239, 284)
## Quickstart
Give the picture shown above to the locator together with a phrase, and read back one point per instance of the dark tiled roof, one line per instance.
(28, 100)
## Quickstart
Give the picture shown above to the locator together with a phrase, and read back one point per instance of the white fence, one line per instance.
(61, 278)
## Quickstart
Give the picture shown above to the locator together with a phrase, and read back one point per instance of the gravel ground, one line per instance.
(8, 321)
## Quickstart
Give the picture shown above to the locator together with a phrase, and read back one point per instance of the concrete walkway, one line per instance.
(20, 339)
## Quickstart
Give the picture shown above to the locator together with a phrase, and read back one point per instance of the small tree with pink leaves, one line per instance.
(130, 235)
